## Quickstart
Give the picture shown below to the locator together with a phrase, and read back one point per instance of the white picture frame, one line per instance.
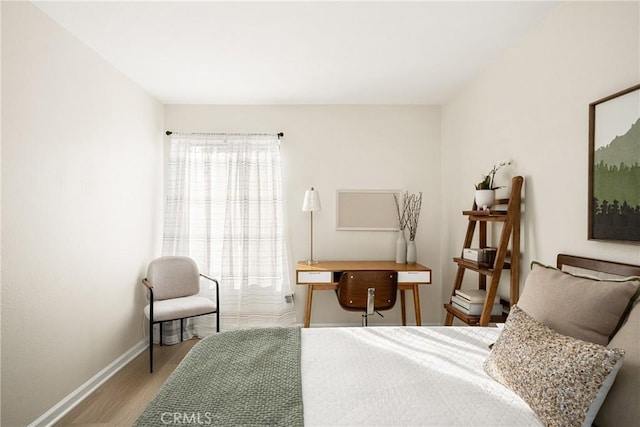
(366, 210)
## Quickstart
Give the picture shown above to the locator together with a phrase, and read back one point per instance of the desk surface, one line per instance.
(359, 265)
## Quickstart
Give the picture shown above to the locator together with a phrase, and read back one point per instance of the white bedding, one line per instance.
(404, 376)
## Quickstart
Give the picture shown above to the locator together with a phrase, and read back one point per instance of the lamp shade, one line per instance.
(311, 201)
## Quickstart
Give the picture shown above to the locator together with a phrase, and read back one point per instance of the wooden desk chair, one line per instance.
(367, 291)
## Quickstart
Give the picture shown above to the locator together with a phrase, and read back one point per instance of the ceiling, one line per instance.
(357, 52)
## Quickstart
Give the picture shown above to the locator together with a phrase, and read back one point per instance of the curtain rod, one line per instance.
(279, 134)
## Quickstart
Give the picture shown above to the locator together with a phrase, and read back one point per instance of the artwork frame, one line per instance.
(614, 167)
(354, 210)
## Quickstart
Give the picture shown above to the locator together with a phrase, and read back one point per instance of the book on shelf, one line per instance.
(480, 255)
(475, 296)
(474, 309)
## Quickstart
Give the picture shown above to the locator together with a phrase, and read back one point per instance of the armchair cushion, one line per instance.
(179, 308)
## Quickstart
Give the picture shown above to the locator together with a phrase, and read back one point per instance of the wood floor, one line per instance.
(122, 398)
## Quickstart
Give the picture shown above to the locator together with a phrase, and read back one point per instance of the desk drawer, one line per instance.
(414, 277)
(315, 276)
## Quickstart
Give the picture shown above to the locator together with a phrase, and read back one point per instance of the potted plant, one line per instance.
(485, 189)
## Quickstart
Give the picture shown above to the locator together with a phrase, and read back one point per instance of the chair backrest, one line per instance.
(353, 289)
(173, 277)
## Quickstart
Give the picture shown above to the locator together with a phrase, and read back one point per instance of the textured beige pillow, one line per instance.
(622, 405)
(564, 380)
(585, 308)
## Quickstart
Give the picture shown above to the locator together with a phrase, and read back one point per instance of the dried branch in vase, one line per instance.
(402, 217)
(414, 204)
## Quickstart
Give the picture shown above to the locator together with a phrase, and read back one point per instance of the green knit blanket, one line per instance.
(238, 378)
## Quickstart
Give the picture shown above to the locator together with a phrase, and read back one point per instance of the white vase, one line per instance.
(412, 256)
(485, 198)
(401, 248)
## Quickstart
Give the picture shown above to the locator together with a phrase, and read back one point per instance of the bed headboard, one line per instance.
(596, 267)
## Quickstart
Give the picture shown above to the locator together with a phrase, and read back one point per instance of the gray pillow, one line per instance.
(581, 307)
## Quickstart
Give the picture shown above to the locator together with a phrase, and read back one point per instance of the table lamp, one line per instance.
(311, 204)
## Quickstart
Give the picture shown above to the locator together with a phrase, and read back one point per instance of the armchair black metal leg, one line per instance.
(151, 330)
(161, 323)
(181, 327)
(151, 345)
(217, 305)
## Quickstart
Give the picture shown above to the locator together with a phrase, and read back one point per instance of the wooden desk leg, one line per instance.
(416, 304)
(404, 314)
(307, 312)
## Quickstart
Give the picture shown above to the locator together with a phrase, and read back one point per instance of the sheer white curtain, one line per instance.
(224, 209)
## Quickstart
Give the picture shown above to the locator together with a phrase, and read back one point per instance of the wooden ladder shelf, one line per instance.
(510, 233)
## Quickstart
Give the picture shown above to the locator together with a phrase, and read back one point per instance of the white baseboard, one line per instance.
(78, 395)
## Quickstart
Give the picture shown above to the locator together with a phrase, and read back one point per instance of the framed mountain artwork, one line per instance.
(614, 167)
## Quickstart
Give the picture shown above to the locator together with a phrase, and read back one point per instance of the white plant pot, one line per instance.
(485, 198)
(401, 248)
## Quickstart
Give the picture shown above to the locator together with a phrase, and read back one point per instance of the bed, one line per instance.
(568, 355)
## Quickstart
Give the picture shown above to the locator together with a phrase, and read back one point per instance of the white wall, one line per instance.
(81, 187)
(343, 147)
(81, 179)
(531, 106)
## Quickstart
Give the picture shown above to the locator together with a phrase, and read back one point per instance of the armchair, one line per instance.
(173, 283)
